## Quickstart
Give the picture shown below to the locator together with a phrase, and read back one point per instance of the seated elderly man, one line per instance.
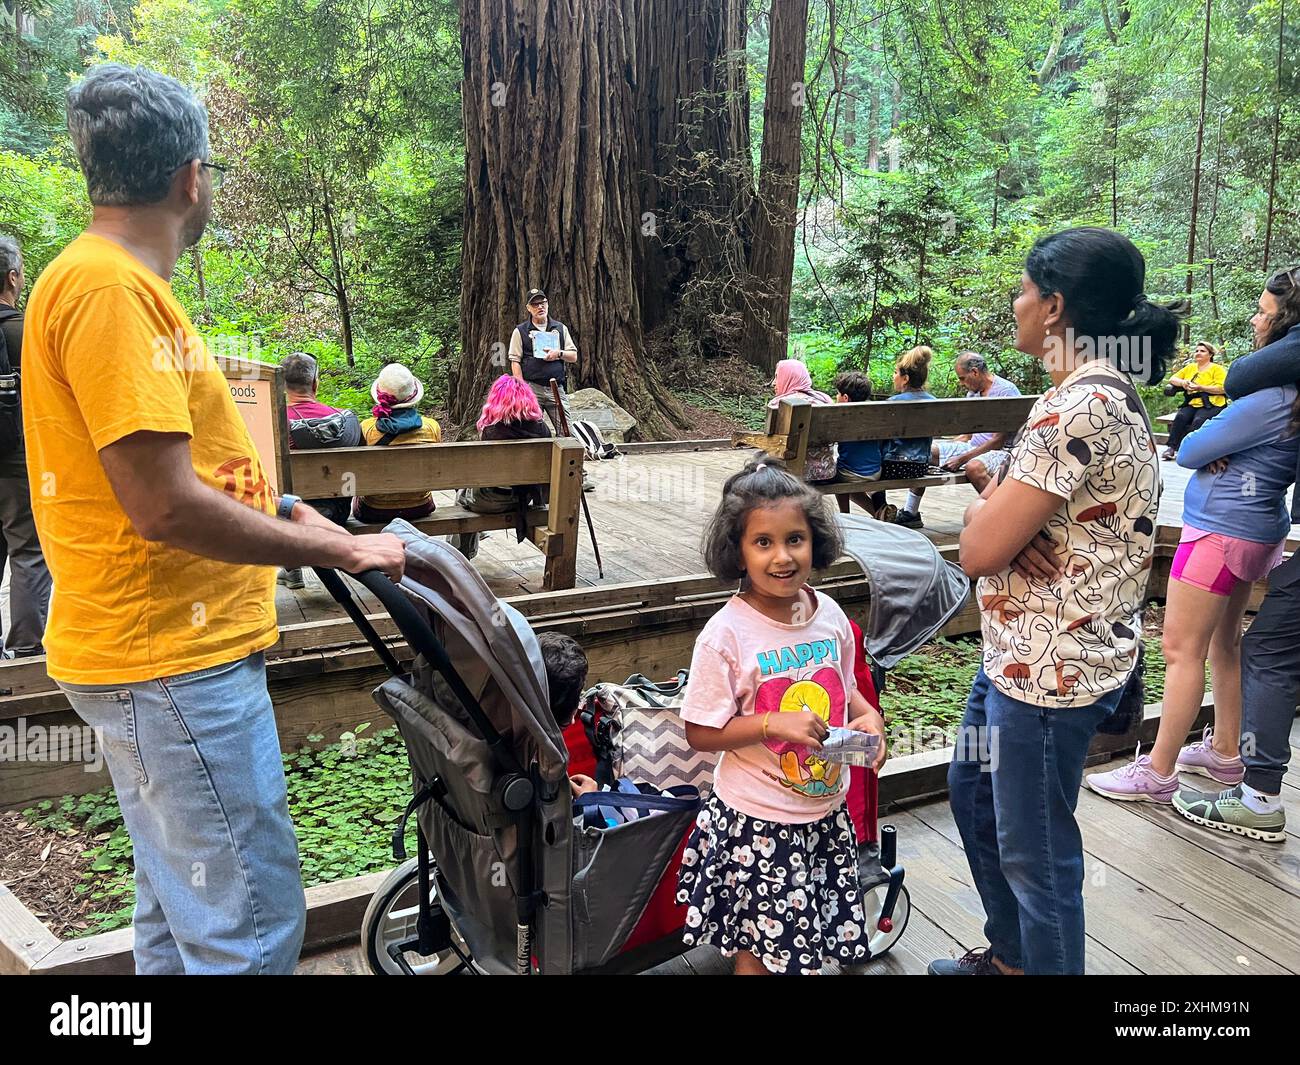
(981, 455)
(312, 424)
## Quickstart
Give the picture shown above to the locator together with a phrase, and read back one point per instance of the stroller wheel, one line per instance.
(390, 920)
(881, 942)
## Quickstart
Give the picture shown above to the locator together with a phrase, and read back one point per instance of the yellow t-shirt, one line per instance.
(430, 432)
(108, 351)
(1213, 374)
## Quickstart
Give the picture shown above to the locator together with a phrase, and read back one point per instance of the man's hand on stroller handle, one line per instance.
(382, 551)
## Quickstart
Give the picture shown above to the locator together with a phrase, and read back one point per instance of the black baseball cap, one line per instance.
(535, 295)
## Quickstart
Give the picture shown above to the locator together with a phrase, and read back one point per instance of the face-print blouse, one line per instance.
(1070, 641)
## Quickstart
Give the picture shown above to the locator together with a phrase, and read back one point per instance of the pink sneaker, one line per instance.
(1202, 758)
(1135, 782)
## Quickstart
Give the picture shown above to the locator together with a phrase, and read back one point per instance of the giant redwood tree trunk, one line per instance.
(692, 124)
(551, 196)
(775, 210)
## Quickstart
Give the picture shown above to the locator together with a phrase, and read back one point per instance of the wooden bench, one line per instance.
(337, 473)
(797, 426)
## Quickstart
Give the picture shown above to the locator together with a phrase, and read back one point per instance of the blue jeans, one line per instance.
(1270, 680)
(1013, 785)
(195, 761)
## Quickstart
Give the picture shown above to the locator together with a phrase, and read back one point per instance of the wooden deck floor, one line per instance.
(1163, 896)
(650, 512)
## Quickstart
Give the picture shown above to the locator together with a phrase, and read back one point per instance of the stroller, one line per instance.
(504, 880)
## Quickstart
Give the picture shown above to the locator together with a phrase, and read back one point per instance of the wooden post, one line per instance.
(258, 391)
(794, 418)
(24, 940)
(559, 540)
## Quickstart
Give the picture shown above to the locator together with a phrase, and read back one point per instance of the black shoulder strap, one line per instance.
(6, 313)
(1130, 394)
(385, 440)
(1125, 385)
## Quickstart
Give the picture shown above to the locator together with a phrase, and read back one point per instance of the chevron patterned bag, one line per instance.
(636, 731)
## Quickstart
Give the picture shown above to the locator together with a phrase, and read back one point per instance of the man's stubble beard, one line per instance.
(197, 222)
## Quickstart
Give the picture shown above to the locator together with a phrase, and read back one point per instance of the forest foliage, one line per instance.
(937, 142)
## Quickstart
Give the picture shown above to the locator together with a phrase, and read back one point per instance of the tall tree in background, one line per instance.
(551, 196)
(1277, 134)
(1196, 165)
(775, 209)
(693, 153)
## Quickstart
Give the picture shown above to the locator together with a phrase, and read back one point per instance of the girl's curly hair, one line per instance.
(763, 483)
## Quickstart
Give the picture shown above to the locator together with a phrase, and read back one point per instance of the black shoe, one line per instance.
(910, 518)
(977, 962)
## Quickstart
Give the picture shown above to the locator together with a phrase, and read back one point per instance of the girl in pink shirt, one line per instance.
(769, 874)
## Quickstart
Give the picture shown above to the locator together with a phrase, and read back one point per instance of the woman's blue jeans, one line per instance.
(1014, 784)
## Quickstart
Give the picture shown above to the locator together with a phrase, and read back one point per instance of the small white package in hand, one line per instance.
(850, 747)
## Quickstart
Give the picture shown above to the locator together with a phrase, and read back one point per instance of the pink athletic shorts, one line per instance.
(1217, 562)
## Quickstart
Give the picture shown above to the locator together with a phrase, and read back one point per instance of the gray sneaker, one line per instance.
(977, 962)
(290, 578)
(1226, 812)
(910, 518)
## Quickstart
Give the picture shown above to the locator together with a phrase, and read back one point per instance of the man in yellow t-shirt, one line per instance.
(161, 533)
(1201, 381)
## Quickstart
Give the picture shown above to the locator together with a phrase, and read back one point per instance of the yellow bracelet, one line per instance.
(765, 717)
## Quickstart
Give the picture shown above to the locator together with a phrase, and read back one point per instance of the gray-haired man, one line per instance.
(982, 455)
(29, 580)
(160, 529)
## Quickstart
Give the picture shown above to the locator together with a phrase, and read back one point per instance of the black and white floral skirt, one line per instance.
(787, 893)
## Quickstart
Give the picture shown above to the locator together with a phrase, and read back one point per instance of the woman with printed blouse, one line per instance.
(1062, 544)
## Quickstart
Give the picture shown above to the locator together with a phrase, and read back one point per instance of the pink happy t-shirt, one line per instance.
(746, 663)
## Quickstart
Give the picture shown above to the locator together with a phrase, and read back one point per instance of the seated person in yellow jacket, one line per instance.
(396, 421)
(1201, 382)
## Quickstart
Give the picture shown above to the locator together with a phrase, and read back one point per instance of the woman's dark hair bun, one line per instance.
(1101, 276)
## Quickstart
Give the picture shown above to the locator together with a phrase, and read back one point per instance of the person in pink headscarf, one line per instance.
(792, 379)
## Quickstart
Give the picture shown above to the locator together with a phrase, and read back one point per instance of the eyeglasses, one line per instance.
(217, 170)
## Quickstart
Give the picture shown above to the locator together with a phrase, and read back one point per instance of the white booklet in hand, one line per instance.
(544, 342)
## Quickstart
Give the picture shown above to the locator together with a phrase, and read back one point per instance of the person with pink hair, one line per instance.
(510, 412)
(793, 380)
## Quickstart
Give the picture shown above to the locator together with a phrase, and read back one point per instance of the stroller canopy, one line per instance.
(914, 590)
(491, 645)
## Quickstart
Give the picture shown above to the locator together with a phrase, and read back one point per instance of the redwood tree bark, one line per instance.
(551, 196)
(775, 210)
(693, 144)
